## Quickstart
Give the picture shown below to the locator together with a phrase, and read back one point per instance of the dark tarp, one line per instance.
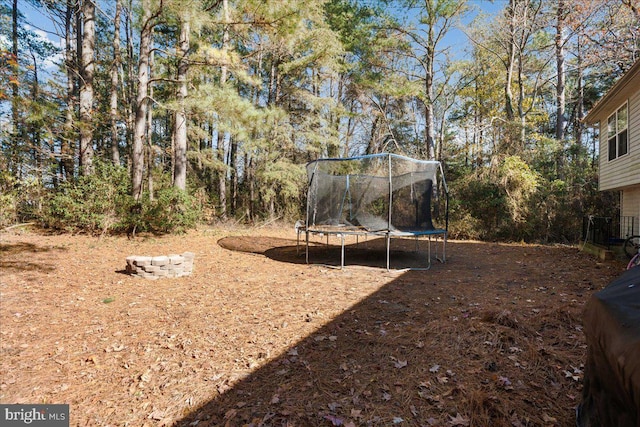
(611, 394)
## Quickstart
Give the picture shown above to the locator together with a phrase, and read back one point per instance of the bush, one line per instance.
(20, 199)
(8, 199)
(101, 203)
(172, 210)
(93, 204)
(478, 208)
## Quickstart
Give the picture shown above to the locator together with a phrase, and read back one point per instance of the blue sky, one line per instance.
(456, 39)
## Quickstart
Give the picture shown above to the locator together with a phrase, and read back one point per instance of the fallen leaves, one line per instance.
(442, 379)
(575, 373)
(399, 364)
(359, 348)
(334, 420)
(146, 376)
(458, 420)
(504, 383)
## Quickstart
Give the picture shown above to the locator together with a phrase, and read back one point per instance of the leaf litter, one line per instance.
(257, 337)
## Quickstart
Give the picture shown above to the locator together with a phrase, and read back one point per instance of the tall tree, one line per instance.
(113, 98)
(180, 126)
(560, 68)
(15, 82)
(87, 72)
(435, 19)
(147, 24)
(67, 149)
(510, 60)
(224, 73)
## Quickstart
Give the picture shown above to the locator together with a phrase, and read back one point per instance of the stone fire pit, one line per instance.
(157, 267)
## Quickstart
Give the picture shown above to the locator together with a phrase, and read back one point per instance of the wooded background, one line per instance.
(159, 114)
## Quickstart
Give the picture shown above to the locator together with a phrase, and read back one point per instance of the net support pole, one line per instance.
(306, 232)
(388, 234)
(390, 194)
(388, 241)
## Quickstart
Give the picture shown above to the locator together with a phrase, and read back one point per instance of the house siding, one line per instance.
(630, 205)
(625, 170)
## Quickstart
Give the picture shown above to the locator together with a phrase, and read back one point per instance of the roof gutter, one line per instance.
(593, 117)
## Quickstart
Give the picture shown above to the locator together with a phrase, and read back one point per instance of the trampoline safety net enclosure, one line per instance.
(381, 194)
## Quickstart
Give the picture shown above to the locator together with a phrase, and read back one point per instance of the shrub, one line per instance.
(93, 204)
(101, 203)
(8, 199)
(478, 208)
(20, 199)
(172, 210)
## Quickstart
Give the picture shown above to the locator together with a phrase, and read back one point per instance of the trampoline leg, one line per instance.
(444, 248)
(342, 251)
(388, 236)
(307, 246)
(436, 245)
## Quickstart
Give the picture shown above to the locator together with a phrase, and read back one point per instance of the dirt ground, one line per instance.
(255, 336)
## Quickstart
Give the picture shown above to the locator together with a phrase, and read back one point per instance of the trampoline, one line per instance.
(385, 195)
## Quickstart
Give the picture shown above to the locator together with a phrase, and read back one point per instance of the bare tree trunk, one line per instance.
(149, 136)
(429, 126)
(15, 92)
(429, 118)
(560, 66)
(272, 82)
(34, 130)
(115, 67)
(222, 174)
(86, 87)
(333, 150)
(233, 166)
(130, 93)
(579, 126)
(142, 101)
(67, 149)
(508, 94)
(180, 126)
(521, 113)
(252, 189)
(372, 144)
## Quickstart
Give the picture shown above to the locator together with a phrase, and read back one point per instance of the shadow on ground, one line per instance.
(404, 253)
(487, 346)
(15, 257)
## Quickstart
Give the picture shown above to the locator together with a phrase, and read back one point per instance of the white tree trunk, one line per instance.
(115, 152)
(560, 65)
(86, 87)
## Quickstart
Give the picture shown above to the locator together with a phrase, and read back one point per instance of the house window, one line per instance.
(618, 133)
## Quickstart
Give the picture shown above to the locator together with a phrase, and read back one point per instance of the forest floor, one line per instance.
(255, 336)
